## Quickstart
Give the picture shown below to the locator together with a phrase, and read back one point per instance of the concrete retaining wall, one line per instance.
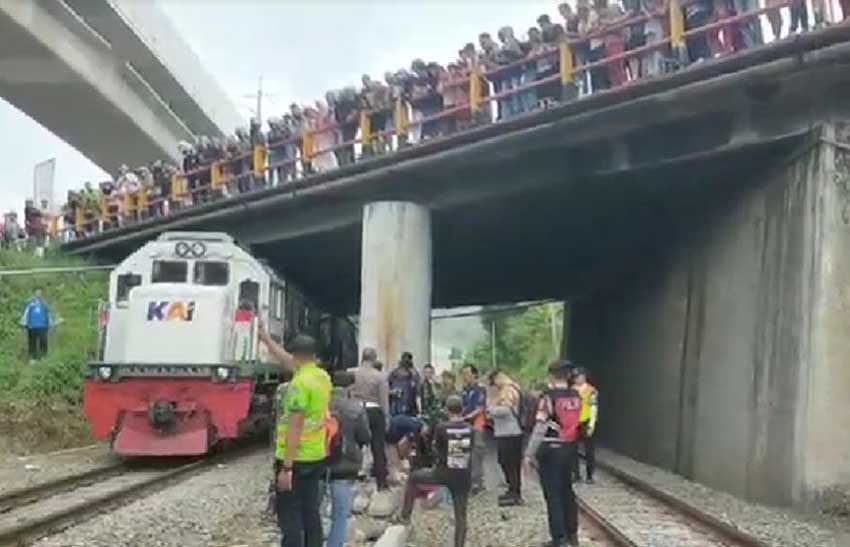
(723, 358)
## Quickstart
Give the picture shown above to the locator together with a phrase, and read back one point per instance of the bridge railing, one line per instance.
(227, 177)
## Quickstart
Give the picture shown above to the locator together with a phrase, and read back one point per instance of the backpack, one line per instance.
(333, 438)
(527, 412)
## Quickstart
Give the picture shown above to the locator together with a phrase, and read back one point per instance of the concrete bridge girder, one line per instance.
(59, 71)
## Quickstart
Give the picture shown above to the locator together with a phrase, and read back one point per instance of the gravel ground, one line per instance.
(23, 471)
(221, 506)
(775, 527)
(224, 506)
(492, 526)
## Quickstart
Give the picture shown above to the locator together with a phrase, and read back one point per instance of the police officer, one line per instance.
(552, 451)
(587, 423)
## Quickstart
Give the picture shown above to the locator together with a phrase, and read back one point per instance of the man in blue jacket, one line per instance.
(36, 319)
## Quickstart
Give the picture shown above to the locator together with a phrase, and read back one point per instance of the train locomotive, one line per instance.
(179, 368)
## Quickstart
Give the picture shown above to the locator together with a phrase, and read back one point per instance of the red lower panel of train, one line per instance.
(166, 416)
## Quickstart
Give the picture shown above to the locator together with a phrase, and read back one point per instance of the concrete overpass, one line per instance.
(697, 222)
(112, 79)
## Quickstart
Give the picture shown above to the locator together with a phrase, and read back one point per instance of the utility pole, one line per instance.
(258, 97)
(493, 343)
(260, 101)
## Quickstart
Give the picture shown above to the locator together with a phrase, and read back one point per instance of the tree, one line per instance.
(523, 342)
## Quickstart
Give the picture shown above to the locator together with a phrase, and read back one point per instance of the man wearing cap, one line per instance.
(372, 390)
(301, 444)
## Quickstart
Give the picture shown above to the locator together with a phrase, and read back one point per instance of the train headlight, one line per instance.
(105, 373)
(223, 373)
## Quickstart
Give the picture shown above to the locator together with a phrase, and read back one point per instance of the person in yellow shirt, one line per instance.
(587, 423)
(301, 445)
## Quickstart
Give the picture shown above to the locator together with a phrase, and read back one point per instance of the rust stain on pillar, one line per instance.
(395, 299)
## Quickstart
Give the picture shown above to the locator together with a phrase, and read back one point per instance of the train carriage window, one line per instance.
(125, 283)
(169, 271)
(211, 273)
(280, 303)
(249, 291)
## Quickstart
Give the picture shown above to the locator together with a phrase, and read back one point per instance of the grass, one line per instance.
(40, 401)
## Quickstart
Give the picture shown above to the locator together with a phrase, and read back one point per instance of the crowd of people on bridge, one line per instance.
(431, 427)
(517, 74)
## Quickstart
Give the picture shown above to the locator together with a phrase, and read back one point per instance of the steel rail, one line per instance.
(29, 494)
(712, 523)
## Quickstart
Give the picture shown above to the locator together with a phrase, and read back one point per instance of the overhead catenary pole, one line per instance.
(260, 101)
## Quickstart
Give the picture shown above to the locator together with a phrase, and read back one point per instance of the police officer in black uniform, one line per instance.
(552, 450)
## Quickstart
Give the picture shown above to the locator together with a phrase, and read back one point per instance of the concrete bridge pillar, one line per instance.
(395, 281)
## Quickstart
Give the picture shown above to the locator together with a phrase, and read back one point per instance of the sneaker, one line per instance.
(589, 480)
(572, 541)
(505, 496)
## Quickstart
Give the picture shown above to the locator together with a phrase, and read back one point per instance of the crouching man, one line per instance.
(452, 450)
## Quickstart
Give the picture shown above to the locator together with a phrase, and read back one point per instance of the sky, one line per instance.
(301, 48)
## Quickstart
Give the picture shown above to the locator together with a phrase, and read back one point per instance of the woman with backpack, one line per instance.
(504, 411)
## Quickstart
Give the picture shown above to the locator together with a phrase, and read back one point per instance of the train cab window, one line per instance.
(211, 273)
(249, 291)
(169, 271)
(125, 283)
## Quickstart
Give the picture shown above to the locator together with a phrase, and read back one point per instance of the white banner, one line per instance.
(42, 186)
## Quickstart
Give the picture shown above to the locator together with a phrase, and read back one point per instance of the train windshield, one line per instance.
(125, 283)
(169, 271)
(211, 273)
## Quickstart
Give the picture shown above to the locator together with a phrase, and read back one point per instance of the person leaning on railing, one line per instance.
(346, 115)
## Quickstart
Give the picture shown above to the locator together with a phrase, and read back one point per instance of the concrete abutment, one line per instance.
(723, 356)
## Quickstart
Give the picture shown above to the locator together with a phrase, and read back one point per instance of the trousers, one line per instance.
(298, 514)
(378, 427)
(586, 440)
(37, 342)
(342, 493)
(459, 489)
(509, 454)
(555, 464)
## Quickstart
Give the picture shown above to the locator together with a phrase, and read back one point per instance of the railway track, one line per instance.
(631, 513)
(34, 512)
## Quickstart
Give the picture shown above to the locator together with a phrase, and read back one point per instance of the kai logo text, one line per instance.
(165, 310)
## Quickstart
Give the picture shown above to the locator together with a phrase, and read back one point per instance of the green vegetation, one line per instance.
(522, 342)
(40, 401)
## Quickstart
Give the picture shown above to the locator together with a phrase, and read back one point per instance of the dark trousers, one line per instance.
(555, 462)
(799, 16)
(37, 341)
(509, 454)
(698, 44)
(298, 509)
(458, 489)
(378, 427)
(589, 453)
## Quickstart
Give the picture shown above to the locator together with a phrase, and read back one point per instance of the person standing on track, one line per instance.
(372, 390)
(552, 450)
(354, 427)
(587, 423)
(301, 442)
(503, 408)
(453, 446)
(474, 406)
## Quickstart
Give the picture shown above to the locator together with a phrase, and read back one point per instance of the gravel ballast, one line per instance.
(220, 506)
(775, 527)
(18, 472)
